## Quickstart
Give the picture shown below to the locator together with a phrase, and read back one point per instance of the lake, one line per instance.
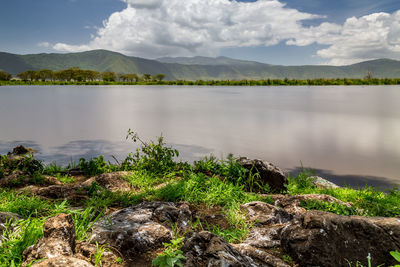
(350, 135)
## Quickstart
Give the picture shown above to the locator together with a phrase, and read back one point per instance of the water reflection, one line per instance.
(71, 152)
(355, 181)
(349, 130)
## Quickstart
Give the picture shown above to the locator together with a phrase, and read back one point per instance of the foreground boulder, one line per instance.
(205, 249)
(292, 204)
(58, 239)
(138, 232)
(58, 248)
(268, 173)
(325, 239)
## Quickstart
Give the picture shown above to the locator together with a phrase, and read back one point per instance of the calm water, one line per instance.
(348, 134)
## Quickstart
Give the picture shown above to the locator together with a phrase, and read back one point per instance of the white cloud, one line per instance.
(365, 38)
(44, 44)
(154, 28)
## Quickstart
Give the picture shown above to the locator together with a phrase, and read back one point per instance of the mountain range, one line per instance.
(193, 68)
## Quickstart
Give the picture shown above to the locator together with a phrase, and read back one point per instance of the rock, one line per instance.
(110, 181)
(20, 150)
(269, 222)
(292, 204)
(18, 179)
(207, 249)
(87, 251)
(59, 248)
(324, 239)
(142, 228)
(269, 173)
(265, 214)
(262, 257)
(58, 191)
(63, 261)
(322, 183)
(58, 239)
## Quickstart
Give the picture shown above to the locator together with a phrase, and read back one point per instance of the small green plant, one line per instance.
(93, 189)
(119, 260)
(288, 259)
(396, 256)
(84, 221)
(94, 166)
(172, 255)
(98, 255)
(52, 169)
(65, 179)
(152, 156)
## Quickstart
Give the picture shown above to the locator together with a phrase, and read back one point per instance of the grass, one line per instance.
(367, 201)
(17, 237)
(23, 204)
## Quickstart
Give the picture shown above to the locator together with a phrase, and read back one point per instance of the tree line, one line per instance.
(80, 75)
(89, 77)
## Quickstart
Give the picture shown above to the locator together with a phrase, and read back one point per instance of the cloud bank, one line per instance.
(155, 28)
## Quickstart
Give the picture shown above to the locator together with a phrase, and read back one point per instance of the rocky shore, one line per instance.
(281, 231)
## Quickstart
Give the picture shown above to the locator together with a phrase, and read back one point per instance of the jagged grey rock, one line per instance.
(325, 239)
(269, 174)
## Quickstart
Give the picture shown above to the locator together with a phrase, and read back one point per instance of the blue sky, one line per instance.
(289, 32)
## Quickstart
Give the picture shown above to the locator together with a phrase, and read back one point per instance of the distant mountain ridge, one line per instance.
(195, 68)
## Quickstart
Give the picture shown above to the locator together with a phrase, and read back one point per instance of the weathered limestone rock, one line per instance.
(58, 191)
(265, 214)
(326, 239)
(260, 256)
(292, 204)
(110, 181)
(62, 261)
(142, 228)
(207, 249)
(269, 173)
(269, 222)
(58, 240)
(57, 247)
(322, 183)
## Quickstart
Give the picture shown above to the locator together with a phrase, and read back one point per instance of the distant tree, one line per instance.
(159, 77)
(60, 75)
(146, 77)
(28, 75)
(45, 75)
(129, 77)
(109, 76)
(92, 75)
(5, 76)
(23, 76)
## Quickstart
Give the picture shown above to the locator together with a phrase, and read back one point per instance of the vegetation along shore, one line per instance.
(76, 76)
(152, 210)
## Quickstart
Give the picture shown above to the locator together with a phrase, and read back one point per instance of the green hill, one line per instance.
(196, 68)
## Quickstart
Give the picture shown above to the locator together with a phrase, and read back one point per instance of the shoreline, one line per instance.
(239, 207)
(266, 82)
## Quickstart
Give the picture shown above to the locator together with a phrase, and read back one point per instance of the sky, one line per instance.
(285, 32)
